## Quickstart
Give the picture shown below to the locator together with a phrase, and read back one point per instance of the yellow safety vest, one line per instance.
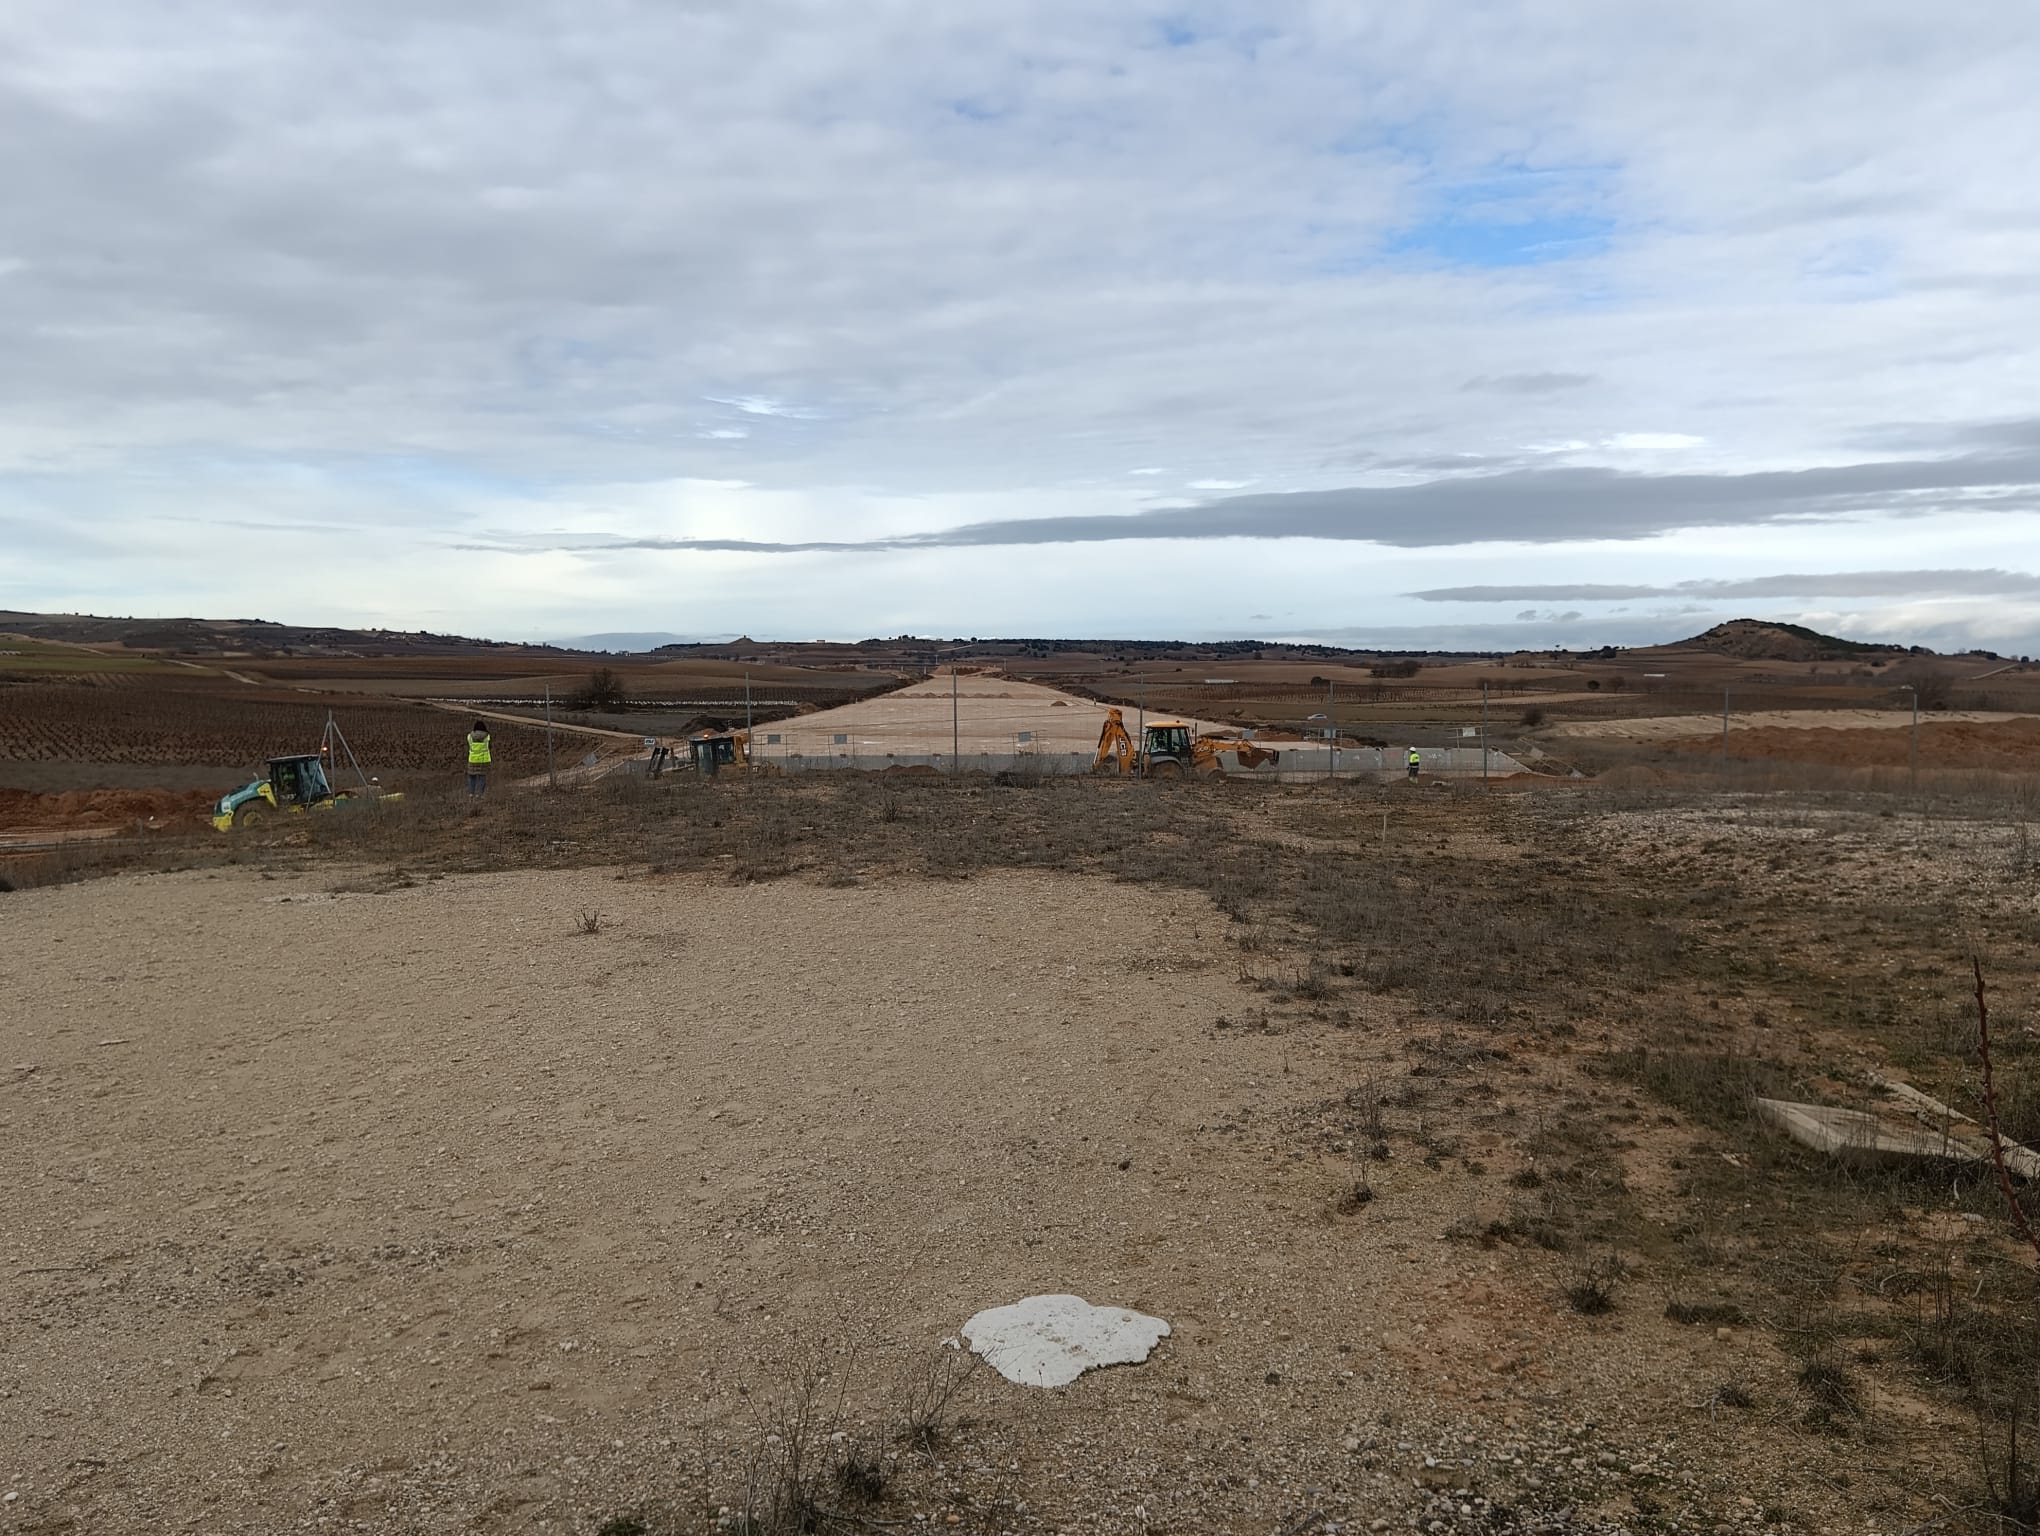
(478, 751)
(1415, 757)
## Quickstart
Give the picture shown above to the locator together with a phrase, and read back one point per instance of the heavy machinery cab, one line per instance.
(299, 780)
(710, 753)
(1168, 738)
(295, 783)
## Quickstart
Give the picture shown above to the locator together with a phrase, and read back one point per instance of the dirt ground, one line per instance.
(71, 810)
(433, 1171)
(991, 712)
(1657, 728)
(2012, 743)
(341, 1203)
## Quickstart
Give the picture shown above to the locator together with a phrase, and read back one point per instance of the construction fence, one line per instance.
(1295, 762)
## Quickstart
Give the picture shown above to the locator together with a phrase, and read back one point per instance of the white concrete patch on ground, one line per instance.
(1049, 1341)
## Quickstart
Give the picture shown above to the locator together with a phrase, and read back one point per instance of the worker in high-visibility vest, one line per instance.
(478, 761)
(1416, 761)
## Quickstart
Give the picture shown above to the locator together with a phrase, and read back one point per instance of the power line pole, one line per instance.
(1724, 730)
(1912, 753)
(1483, 734)
(955, 726)
(552, 777)
(1332, 724)
(1140, 730)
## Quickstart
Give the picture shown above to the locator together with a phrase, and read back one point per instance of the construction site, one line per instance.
(1102, 1115)
(986, 722)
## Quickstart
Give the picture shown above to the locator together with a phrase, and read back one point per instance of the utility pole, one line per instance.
(1913, 753)
(1724, 730)
(1140, 730)
(552, 778)
(955, 726)
(1332, 725)
(1483, 734)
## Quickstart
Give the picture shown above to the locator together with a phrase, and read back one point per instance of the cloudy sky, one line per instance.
(1479, 324)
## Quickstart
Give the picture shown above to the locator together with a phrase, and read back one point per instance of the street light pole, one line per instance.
(955, 728)
(1483, 734)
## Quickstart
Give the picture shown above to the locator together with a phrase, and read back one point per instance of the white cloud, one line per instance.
(375, 267)
(1652, 442)
(760, 405)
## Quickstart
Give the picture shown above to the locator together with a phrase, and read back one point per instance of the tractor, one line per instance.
(1170, 749)
(296, 783)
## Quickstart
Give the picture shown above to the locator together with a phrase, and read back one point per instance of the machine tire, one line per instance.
(1165, 768)
(253, 814)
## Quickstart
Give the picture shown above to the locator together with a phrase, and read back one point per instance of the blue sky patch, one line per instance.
(1481, 242)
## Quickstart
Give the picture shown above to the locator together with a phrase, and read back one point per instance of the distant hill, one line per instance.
(1768, 640)
(243, 637)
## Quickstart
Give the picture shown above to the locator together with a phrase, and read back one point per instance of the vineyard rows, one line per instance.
(204, 726)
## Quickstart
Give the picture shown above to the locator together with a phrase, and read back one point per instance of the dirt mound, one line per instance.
(79, 808)
(1953, 744)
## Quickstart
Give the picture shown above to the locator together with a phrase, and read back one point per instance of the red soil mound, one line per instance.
(79, 808)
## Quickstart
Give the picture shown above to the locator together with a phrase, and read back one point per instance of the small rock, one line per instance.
(1724, 1334)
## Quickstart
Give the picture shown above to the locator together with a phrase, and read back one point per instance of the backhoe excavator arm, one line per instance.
(1204, 752)
(1115, 746)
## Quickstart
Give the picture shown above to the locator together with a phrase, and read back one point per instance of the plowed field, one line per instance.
(206, 722)
(2013, 744)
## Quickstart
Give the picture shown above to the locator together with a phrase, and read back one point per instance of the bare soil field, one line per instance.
(2005, 744)
(521, 1170)
(1658, 728)
(71, 809)
(991, 713)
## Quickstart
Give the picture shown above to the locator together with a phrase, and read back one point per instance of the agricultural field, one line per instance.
(63, 735)
(23, 657)
(605, 1160)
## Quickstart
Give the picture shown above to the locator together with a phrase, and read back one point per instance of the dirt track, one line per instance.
(409, 1208)
(1674, 727)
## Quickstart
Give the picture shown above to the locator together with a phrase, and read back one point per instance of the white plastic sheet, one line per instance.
(1049, 1341)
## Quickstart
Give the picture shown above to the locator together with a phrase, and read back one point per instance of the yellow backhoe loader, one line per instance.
(715, 750)
(1170, 749)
